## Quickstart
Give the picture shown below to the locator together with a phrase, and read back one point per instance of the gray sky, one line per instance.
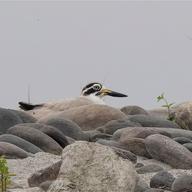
(138, 48)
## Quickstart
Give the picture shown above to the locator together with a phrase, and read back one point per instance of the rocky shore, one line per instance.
(98, 148)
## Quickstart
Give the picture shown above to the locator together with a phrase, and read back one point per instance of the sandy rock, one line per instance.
(134, 110)
(19, 142)
(94, 167)
(91, 116)
(36, 137)
(167, 150)
(141, 186)
(24, 168)
(47, 174)
(66, 126)
(115, 125)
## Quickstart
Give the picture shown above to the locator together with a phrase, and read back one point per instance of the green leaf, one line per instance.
(166, 106)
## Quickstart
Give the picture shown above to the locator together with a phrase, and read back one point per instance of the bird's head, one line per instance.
(98, 90)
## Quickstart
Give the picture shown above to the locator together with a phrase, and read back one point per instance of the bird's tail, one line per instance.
(28, 106)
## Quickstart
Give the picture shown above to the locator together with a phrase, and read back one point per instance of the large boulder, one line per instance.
(66, 126)
(133, 110)
(112, 126)
(8, 119)
(11, 151)
(36, 137)
(152, 121)
(169, 151)
(19, 142)
(94, 167)
(90, 117)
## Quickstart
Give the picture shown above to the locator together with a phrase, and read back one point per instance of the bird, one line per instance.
(92, 93)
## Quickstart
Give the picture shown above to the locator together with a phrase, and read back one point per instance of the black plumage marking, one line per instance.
(91, 88)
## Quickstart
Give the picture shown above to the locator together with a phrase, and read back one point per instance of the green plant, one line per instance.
(166, 105)
(4, 175)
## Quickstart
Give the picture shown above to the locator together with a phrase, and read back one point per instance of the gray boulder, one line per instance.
(169, 151)
(134, 110)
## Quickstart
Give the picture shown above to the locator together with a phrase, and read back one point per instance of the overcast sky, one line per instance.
(138, 48)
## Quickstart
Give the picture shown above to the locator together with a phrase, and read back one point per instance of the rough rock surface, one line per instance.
(24, 168)
(149, 168)
(167, 150)
(93, 167)
(91, 116)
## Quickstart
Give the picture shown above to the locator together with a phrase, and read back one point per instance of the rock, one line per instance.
(182, 140)
(119, 149)
(182, 184)
(45, 185)
(133, 110)
(138, 132)
(152, 121)
(8, 119)
(188, 146)
(154, 190)
(51, 131)
(34, 189)
(159, 113)
(136, 146)
(141, 186)
(94, 167)
(91, 116)
(47, 174)
(11, 151)
(125, 154)
(114, 125)
(169, 151)
(171, 132)
(182, 114)
(138, 165)
(36, 137)
(24, 168)
(162, 180)
(70, 140)
(25, 117)
(19, 142)
(94, 135)
(149, 169)
(67, 127)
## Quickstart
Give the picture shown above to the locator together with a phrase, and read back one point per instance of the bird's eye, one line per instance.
(97, 87)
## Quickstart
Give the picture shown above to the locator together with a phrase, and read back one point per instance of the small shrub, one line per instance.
(166, 105)
(4, 175)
